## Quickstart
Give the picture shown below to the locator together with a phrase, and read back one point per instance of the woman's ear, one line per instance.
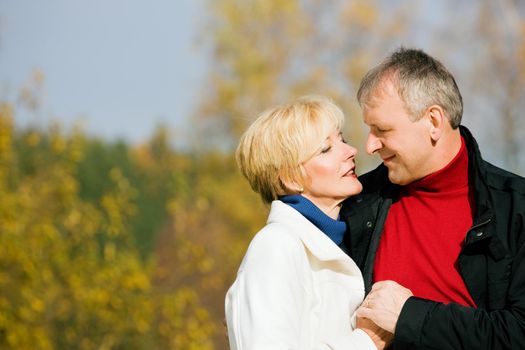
(438, 119)
(291, 185)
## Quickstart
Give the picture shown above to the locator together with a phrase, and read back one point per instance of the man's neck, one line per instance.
(446, 149)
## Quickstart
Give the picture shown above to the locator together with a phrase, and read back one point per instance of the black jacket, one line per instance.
(491, 262)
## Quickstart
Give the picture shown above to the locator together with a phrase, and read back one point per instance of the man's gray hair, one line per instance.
(421, 82)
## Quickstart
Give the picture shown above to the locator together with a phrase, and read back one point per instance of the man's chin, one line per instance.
(395, 178)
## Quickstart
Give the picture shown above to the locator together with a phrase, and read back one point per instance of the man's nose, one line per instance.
(373, 144)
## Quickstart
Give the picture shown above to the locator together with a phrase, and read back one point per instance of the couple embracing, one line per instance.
(424, 252)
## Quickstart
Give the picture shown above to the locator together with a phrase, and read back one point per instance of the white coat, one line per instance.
(295, 289)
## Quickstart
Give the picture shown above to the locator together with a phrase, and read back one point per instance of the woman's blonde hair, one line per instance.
(271, 152)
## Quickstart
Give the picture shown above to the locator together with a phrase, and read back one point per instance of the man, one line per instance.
(437, 230)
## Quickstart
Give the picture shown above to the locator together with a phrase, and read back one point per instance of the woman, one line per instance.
(295, 288)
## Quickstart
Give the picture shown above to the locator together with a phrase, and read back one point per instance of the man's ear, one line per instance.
(438, 119)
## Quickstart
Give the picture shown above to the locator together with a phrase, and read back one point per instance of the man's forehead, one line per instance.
(387, 87)
(369, 117)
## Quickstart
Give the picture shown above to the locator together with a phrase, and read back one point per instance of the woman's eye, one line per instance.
(326, 149)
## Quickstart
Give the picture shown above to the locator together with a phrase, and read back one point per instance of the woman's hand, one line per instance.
(379, 336)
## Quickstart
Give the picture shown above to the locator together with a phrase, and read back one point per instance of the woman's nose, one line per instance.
(350, 151)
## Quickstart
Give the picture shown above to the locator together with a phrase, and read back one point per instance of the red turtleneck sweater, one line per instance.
(424, 232)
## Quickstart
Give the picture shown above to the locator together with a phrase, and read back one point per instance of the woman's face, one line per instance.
(331, 176)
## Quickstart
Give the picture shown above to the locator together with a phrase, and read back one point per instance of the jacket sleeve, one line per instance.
(266, 307)
(432, 325)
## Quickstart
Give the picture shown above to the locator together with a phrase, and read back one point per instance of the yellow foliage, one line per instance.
(70, 275)
(184, 323)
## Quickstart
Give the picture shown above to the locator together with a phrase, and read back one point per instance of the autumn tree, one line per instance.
(270, 52)
(71, 276)
(499, 76)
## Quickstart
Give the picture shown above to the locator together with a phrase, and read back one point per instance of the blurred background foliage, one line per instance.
(110, 245)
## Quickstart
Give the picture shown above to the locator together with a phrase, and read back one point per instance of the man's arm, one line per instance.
(428, 324)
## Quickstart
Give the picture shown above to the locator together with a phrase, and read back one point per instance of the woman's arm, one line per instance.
(266, 307)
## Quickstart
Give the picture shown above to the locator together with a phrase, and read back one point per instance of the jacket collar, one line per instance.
(477, 176)
(317, 243)
(479, 184)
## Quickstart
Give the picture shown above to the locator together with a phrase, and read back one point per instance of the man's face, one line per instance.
(404, 146)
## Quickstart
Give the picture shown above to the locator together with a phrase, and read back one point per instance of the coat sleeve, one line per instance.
(431, 325)
(265, 307)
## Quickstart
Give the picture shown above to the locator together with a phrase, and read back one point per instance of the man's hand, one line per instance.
(384, 303)
(379, 336)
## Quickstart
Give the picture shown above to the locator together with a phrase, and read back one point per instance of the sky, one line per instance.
(122, 67)
(119, 66)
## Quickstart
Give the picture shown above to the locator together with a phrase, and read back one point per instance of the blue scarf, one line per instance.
(334, 229)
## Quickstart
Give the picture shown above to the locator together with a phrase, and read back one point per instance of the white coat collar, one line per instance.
(317, 242)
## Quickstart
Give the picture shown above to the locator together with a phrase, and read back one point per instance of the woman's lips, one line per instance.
(350, 173)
